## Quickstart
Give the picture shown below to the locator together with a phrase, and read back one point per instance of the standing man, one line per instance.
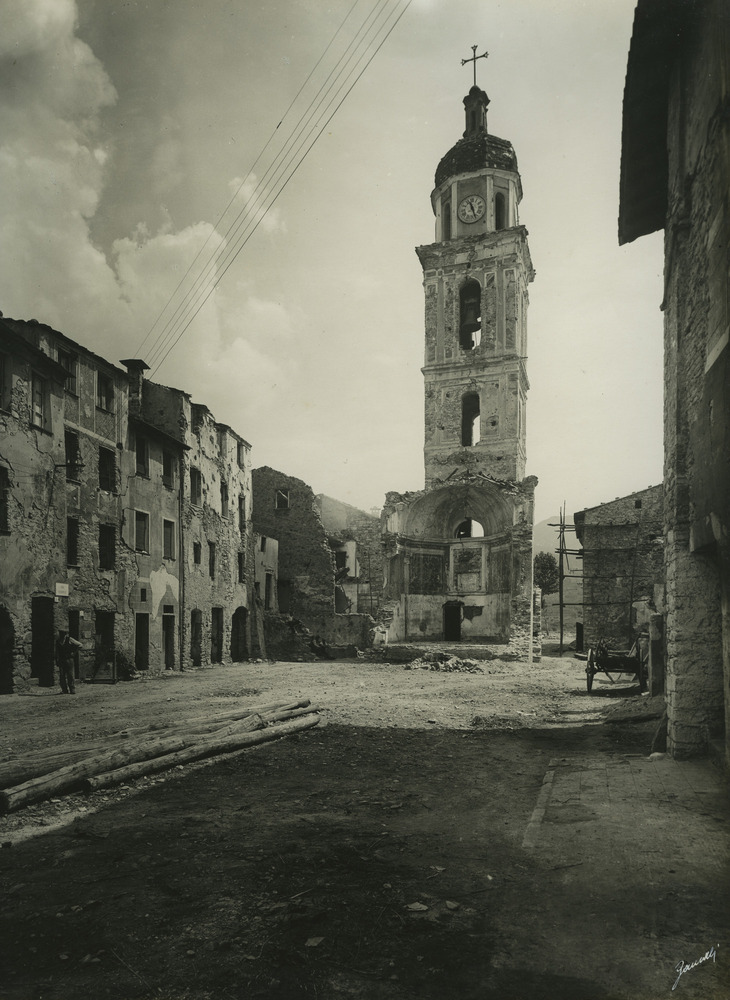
(65, 661)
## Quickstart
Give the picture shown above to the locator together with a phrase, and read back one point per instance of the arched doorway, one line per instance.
(7, 648)
(239, 639)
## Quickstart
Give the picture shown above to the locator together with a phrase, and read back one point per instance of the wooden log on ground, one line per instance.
(208, 748)
(71, 775)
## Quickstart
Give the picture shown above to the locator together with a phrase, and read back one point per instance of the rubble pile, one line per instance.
(445, 662)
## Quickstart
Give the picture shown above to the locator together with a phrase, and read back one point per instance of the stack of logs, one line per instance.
(134, 753)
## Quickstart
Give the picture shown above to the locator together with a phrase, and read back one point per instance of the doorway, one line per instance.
(42, 640)
(452, 621)
(216, 635)
(7, 647)
(239, 644)
(196, 637)
(168, 636)
(141, 641)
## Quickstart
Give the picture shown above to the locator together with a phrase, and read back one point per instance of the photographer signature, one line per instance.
(710, 954)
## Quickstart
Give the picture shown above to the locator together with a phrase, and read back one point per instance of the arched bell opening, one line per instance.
(500, 211)
(470, 315)
(470, 419)
(469, 528)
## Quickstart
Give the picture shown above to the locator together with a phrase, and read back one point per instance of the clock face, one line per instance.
(471, 209)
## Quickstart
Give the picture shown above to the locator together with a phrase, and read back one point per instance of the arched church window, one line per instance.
(446, 220)
(470, 315)
(469, 528)
(500, 213)
(470, 419)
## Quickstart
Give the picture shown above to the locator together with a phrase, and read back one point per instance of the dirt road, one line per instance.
(378, 856)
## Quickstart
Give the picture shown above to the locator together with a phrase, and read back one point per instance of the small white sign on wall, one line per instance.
(61, 590)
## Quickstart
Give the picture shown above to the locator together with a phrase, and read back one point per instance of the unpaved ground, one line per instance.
(377, 857)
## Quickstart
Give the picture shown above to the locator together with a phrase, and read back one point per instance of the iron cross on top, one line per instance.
(474, 60)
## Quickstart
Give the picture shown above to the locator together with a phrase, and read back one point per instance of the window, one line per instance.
(104, 392)
(196, 487)
(141, 531)
(470, 315)
(240, 454)
(224, 499)
(72, 541)
(168, 539)
(73, 456)
(39, 402)
(197, 553)
(281, 501)
(69, 364)
(211, 560)
(142, 450)
(168, 468)
(241, 567)
(268, 591)
(4, 500)
(446, 221)
(242, 514)
(107, 470)
(470, 420)
(500, 215)
(263, 543)
(340, 560)
(107, 546)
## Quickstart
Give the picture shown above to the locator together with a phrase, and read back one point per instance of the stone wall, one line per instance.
(623, 566)
(285, 508)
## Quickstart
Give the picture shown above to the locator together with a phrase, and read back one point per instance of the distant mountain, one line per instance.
(545, 538)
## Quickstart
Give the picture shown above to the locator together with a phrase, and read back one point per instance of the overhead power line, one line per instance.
(365, 45)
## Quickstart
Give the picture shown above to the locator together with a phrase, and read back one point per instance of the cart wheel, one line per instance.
(590, 669)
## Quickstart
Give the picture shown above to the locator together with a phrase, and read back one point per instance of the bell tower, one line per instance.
(458, 554)
(475, 277)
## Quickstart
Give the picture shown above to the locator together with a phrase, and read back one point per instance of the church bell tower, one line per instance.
(476, 278)
(459, 552)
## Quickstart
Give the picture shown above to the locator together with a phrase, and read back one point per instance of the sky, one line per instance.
(132, 134)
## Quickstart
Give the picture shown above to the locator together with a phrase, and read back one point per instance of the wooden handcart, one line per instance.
(635, 661)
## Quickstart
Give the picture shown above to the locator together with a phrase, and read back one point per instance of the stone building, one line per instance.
(459, 553)
(213, 481)
(675, 166)
(623, 566)
(111, 489)
(354, 537)
(285, 508)
(32, 509)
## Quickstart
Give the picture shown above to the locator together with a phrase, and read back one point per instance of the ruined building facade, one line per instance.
(675, 167)
(459, 552)
(124, 517)
(622, 546)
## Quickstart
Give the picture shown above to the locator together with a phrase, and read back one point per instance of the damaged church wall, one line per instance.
(479, 589)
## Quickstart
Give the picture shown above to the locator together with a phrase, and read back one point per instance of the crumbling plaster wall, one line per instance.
(213, 449)
(33, 549)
